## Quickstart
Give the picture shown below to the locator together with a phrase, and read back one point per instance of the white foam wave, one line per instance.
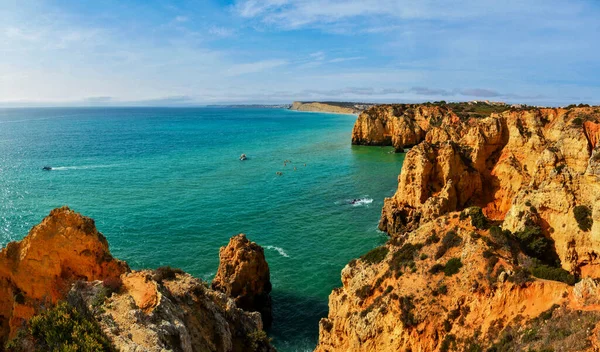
(279, 250)
(362, 201)
(85, 167)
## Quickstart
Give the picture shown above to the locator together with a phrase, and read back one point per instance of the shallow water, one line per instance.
(165, 186)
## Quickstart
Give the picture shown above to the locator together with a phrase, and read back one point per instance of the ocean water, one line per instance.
(165, 186)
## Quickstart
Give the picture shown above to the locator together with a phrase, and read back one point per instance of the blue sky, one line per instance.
(172, 53)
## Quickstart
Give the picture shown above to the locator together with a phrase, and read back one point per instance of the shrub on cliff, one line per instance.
(404, 257)
(62, 328)
(478, 219)
(258, 341)
(406, 311)
(583, 215)
(520, 276)
(534, 244)
(452, 266)
(451, 239)
(375, 255)
(550, 273)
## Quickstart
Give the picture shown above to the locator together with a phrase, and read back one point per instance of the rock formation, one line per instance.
(170, 310)
(494, 234)
(244, 275)
(39, 270)
(65, 258)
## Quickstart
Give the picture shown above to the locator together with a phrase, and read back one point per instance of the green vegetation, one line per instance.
(364, 292)
(451, 239)
(452, 266)
(436, 268)
(501, 238)
(431, 239)
(567, 331)
(478, 219)
(533, 243)
(258, 340)
(375, 255)
(543, 271)
(405, 257)
(406, 311)
(578, 122)
(62, 328)
(520, 276)
(583, 215)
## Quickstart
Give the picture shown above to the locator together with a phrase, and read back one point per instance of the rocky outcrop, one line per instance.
(501, 275)
(400, 125)
(164, 310)
(244, 275)
(329, 107)
(65, 258)
(519, 166)
(39, 270)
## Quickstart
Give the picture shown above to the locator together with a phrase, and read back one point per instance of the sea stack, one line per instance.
(244, 276)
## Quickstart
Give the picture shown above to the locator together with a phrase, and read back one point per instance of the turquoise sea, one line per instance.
(165, 186)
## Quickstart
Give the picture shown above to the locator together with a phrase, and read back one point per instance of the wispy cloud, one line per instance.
(221, 32)
(343, 59)
(254, 67)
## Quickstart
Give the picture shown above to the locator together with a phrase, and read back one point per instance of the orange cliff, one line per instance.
(65, 247)
(530, 170)
(65, 258)
(244, 275)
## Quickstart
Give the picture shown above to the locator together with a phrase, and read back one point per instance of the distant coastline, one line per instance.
(331, 107)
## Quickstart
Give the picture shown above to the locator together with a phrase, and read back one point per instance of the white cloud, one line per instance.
(181, 19)
(343, 59)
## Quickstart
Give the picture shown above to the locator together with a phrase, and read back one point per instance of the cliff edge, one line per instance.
(493, 234)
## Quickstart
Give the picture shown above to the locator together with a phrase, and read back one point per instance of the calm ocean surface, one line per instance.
(165, 186)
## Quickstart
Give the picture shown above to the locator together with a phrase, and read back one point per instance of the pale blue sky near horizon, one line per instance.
(188, 53)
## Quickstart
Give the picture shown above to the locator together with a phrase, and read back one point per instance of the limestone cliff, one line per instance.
(521, 166)
(450, 286)
(244, 275)
(501, 275)
(65, 258)
(330, 107)
(65, 247)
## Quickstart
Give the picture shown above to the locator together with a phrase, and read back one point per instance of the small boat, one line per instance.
(243, 157)
(47, 168)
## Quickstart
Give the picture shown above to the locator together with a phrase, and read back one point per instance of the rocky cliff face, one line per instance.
(534, 174)
(170, 310)
(65, 258)
(244, 275)
(39, 270)
(522, 167)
